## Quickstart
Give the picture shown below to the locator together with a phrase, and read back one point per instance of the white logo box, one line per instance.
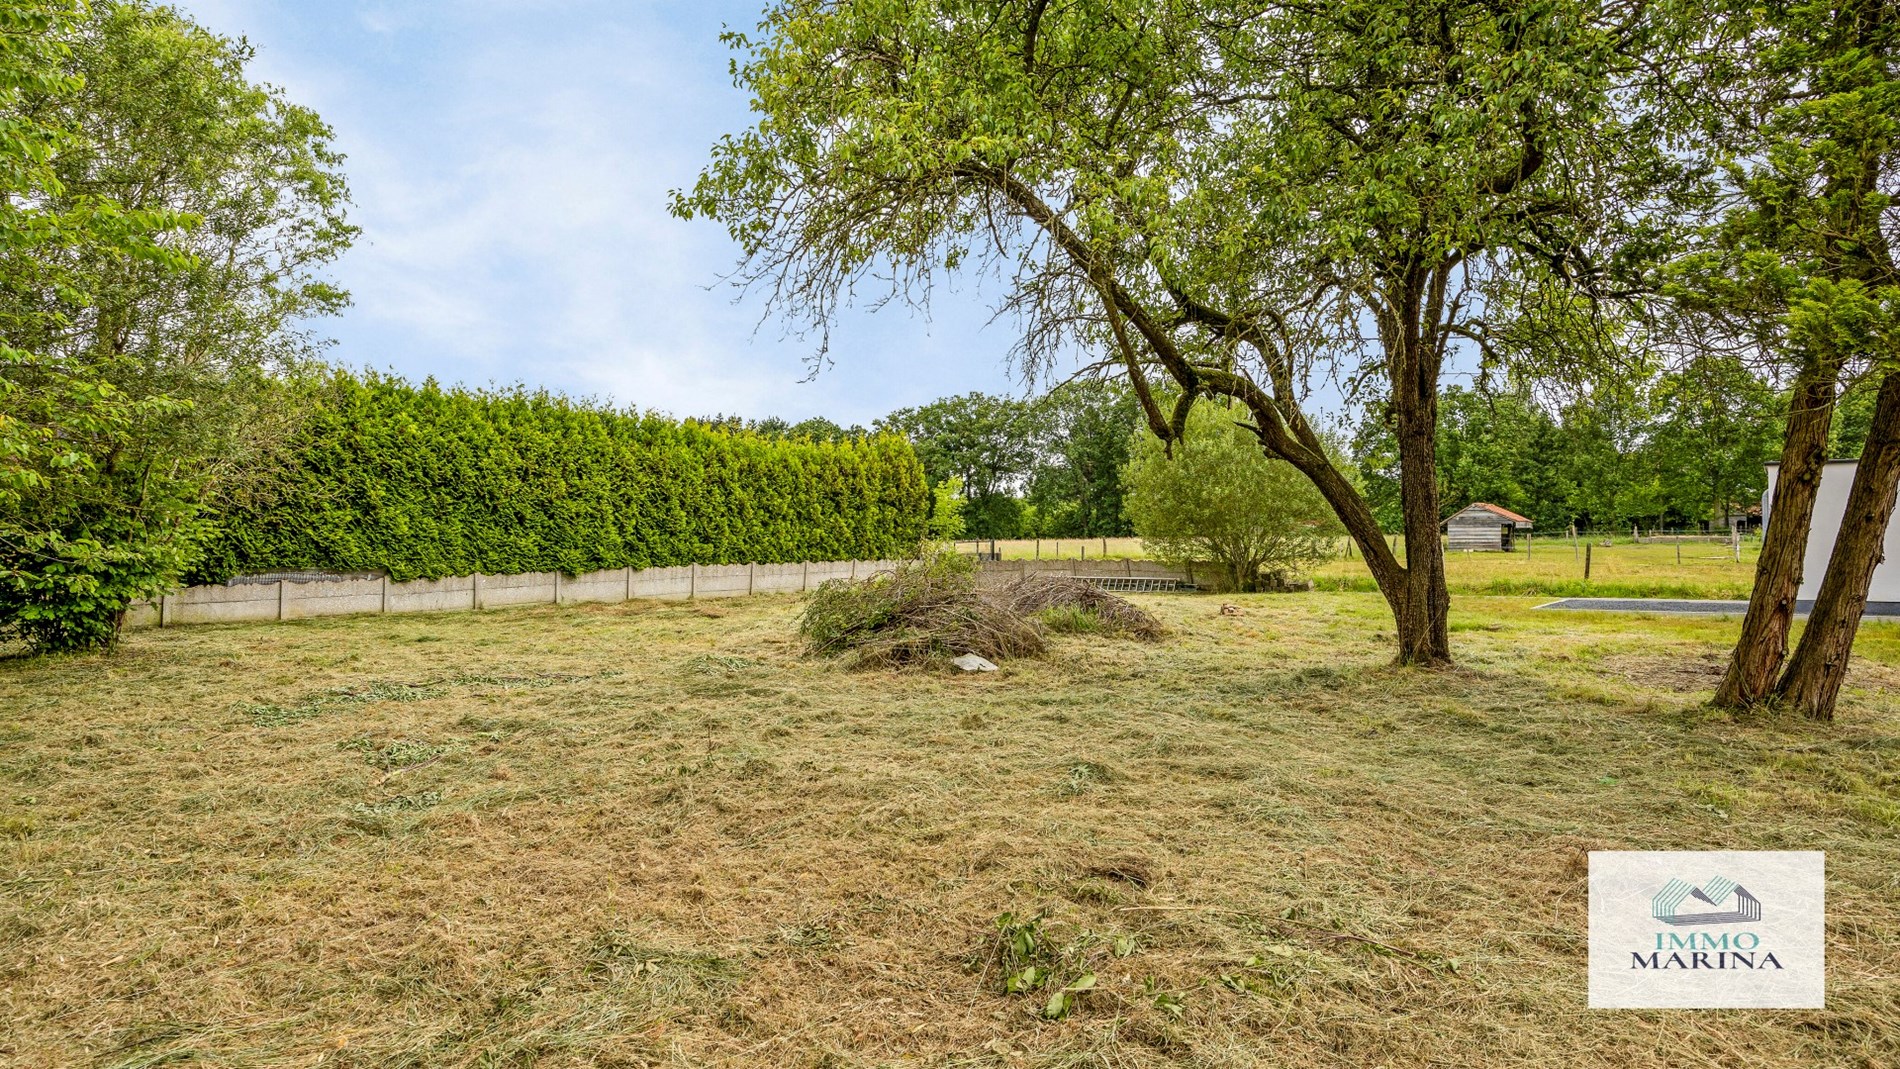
(1715, 929)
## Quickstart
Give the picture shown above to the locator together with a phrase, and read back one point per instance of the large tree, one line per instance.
(153, 383)
(1799, 269)
(1218, 193)
(1075, 488)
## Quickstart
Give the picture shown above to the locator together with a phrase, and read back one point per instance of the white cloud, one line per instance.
(510, 163)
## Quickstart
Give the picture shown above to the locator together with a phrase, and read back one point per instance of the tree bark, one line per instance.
(1763, 643)
(1423, 612)
(1815, 673)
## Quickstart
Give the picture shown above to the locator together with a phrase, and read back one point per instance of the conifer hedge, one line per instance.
(424, 482)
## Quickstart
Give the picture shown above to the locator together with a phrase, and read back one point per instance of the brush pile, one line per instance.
(934, 609)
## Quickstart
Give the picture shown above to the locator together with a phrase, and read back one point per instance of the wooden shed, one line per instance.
(1486, 527)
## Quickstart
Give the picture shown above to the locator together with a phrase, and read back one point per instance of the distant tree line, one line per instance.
(1685, 449)
(1682, 449)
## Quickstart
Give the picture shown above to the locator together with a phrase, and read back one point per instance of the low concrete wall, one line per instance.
(292, 599)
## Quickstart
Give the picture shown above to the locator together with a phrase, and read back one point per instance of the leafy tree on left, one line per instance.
(163, 223)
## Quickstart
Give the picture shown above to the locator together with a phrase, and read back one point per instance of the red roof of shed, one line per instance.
(1504, 512)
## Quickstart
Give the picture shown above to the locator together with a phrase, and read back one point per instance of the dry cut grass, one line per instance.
(658, 835)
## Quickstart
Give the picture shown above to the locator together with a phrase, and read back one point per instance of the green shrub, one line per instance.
(423, 482)
(1215, 497)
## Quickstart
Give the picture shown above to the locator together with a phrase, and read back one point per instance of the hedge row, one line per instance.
(423, 482)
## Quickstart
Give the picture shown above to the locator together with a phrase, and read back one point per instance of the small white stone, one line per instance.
(970, 662)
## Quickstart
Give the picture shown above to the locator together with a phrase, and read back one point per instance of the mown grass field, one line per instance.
(1550, 567)
(657, 835)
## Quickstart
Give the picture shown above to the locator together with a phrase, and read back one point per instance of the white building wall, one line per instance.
(1830, 506)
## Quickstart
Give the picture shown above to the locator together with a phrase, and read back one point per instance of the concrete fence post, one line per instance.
(751, 573)
(804, 576)
(629, 596)
(475, 591)
(164, 610)
(280, 600)
(384, 607)
(692, 580)
(557, 586)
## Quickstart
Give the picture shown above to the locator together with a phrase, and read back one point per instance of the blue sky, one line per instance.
(509, 162)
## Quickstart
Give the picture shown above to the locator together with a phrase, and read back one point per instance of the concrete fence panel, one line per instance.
(526, 588)
(723, 581)
(142, 614)
(340, 597)
(778, 578)
(433, 595)
(817, 574)
(223, 604)
(666, 583)
(609, 585)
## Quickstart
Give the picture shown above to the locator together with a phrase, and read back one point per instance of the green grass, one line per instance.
(659, 835)
(1543, 567)
(1554, 568)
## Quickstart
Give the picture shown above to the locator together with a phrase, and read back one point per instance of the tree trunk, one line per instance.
(1764, 639)
(1423, 611)
(1819, 665)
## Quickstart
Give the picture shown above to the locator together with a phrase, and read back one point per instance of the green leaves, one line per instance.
(425, 482)
(1803, 144)
(1219, 499)
(161, 217)
(1030, 962)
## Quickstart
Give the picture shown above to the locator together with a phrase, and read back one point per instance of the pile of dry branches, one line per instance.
(1028, 595)
(933, 609)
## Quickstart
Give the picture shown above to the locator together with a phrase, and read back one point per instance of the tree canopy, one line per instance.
(166, 220)
(1215, 193)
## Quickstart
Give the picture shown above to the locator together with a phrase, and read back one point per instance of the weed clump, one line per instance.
(935, 608)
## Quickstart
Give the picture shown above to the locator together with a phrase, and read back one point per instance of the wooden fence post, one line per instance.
(1586, 561)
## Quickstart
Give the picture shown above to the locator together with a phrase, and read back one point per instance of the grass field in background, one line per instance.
(656, 834)
(1552, 567)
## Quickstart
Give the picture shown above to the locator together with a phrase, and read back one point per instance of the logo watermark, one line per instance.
(1688, 929)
